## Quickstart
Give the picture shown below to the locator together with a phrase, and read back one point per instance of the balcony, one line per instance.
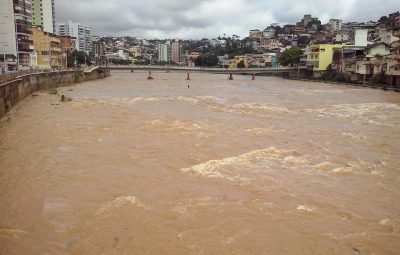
(394, 70)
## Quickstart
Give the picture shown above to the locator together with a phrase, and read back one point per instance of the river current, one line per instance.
(207, 166)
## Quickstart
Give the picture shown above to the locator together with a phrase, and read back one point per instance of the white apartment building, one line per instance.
(8, 46)
(335, 24)
(269, 32)
(83, 35)
(44, 15)
(163, 52)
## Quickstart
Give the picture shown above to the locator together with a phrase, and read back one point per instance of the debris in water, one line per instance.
(65, 99)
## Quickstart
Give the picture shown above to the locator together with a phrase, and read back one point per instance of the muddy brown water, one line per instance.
(271, 166)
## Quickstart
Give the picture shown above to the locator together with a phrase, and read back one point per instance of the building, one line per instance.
(191, 58)
(16, 38)
(217, 42)
(377, 50)
(23, 28)
(387, 37)
(163, 55)
(48, 49)
(307, 19)
(83, 35)
(8, 45)
(393, 66)
(341, 37)
(176, 51)
(335, 24)
(345, 60)
(269, 32)
(270, 44)
(43, 13)
(99, 49)
(299, 28)
(223, 61)
(67, 44)
(360, 37)
(255, 34)
(67, 47)
(320, 56)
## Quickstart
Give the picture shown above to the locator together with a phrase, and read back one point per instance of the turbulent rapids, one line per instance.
(136, 166)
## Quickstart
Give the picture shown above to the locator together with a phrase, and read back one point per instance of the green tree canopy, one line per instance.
(79, 58)
(241, 64)
(206, 60)
(290, 56)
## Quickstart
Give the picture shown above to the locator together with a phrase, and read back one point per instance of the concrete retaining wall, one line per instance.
(13, 92)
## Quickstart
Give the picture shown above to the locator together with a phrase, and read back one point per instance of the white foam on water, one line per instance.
(267, 107)
(369, 113)
(263, 131)
(122, 201)
(354, 136)
(343, 170)
(305, 208)
(14, 232)
(258, 158)
(324, 166)
(199, 128)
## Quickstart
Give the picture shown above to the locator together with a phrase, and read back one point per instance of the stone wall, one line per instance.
(14, 91)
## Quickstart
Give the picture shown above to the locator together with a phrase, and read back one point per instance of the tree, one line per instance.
(241, 64)
(79, 58)
(290, 56)
(303, 40)
(206, 60)
(383, 19)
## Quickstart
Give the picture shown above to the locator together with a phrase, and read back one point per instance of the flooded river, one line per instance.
(132, 166)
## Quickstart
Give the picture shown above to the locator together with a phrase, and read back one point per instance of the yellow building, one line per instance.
(320, 56)
(234, 62)
(48, 49)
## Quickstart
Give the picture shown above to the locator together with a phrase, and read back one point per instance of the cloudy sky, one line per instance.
(209, 18)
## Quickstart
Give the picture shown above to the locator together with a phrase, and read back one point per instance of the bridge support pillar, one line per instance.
(230, 77)
(253, 77)
(188, 77)
(150, 77)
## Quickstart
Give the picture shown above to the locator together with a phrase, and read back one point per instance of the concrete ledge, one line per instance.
(14, 91)
(367, 85)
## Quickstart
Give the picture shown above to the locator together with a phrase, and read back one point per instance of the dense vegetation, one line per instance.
(290, 57)
(206, 60)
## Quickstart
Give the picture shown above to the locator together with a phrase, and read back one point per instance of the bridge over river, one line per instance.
(282, 71)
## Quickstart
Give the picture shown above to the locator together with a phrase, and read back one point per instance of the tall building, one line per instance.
(176, 51)
(23, 28)
(8, 45)
(83, 35)
(44, 15)
(163, 52)
(99, 49)
(16, 43)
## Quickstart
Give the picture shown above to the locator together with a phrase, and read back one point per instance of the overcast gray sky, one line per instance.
(209, 18)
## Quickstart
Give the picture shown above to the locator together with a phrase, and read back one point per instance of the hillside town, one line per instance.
(338, 50)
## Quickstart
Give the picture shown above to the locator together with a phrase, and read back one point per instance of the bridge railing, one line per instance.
(183, 68)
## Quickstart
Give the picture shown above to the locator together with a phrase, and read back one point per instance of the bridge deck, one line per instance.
(205, 70)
